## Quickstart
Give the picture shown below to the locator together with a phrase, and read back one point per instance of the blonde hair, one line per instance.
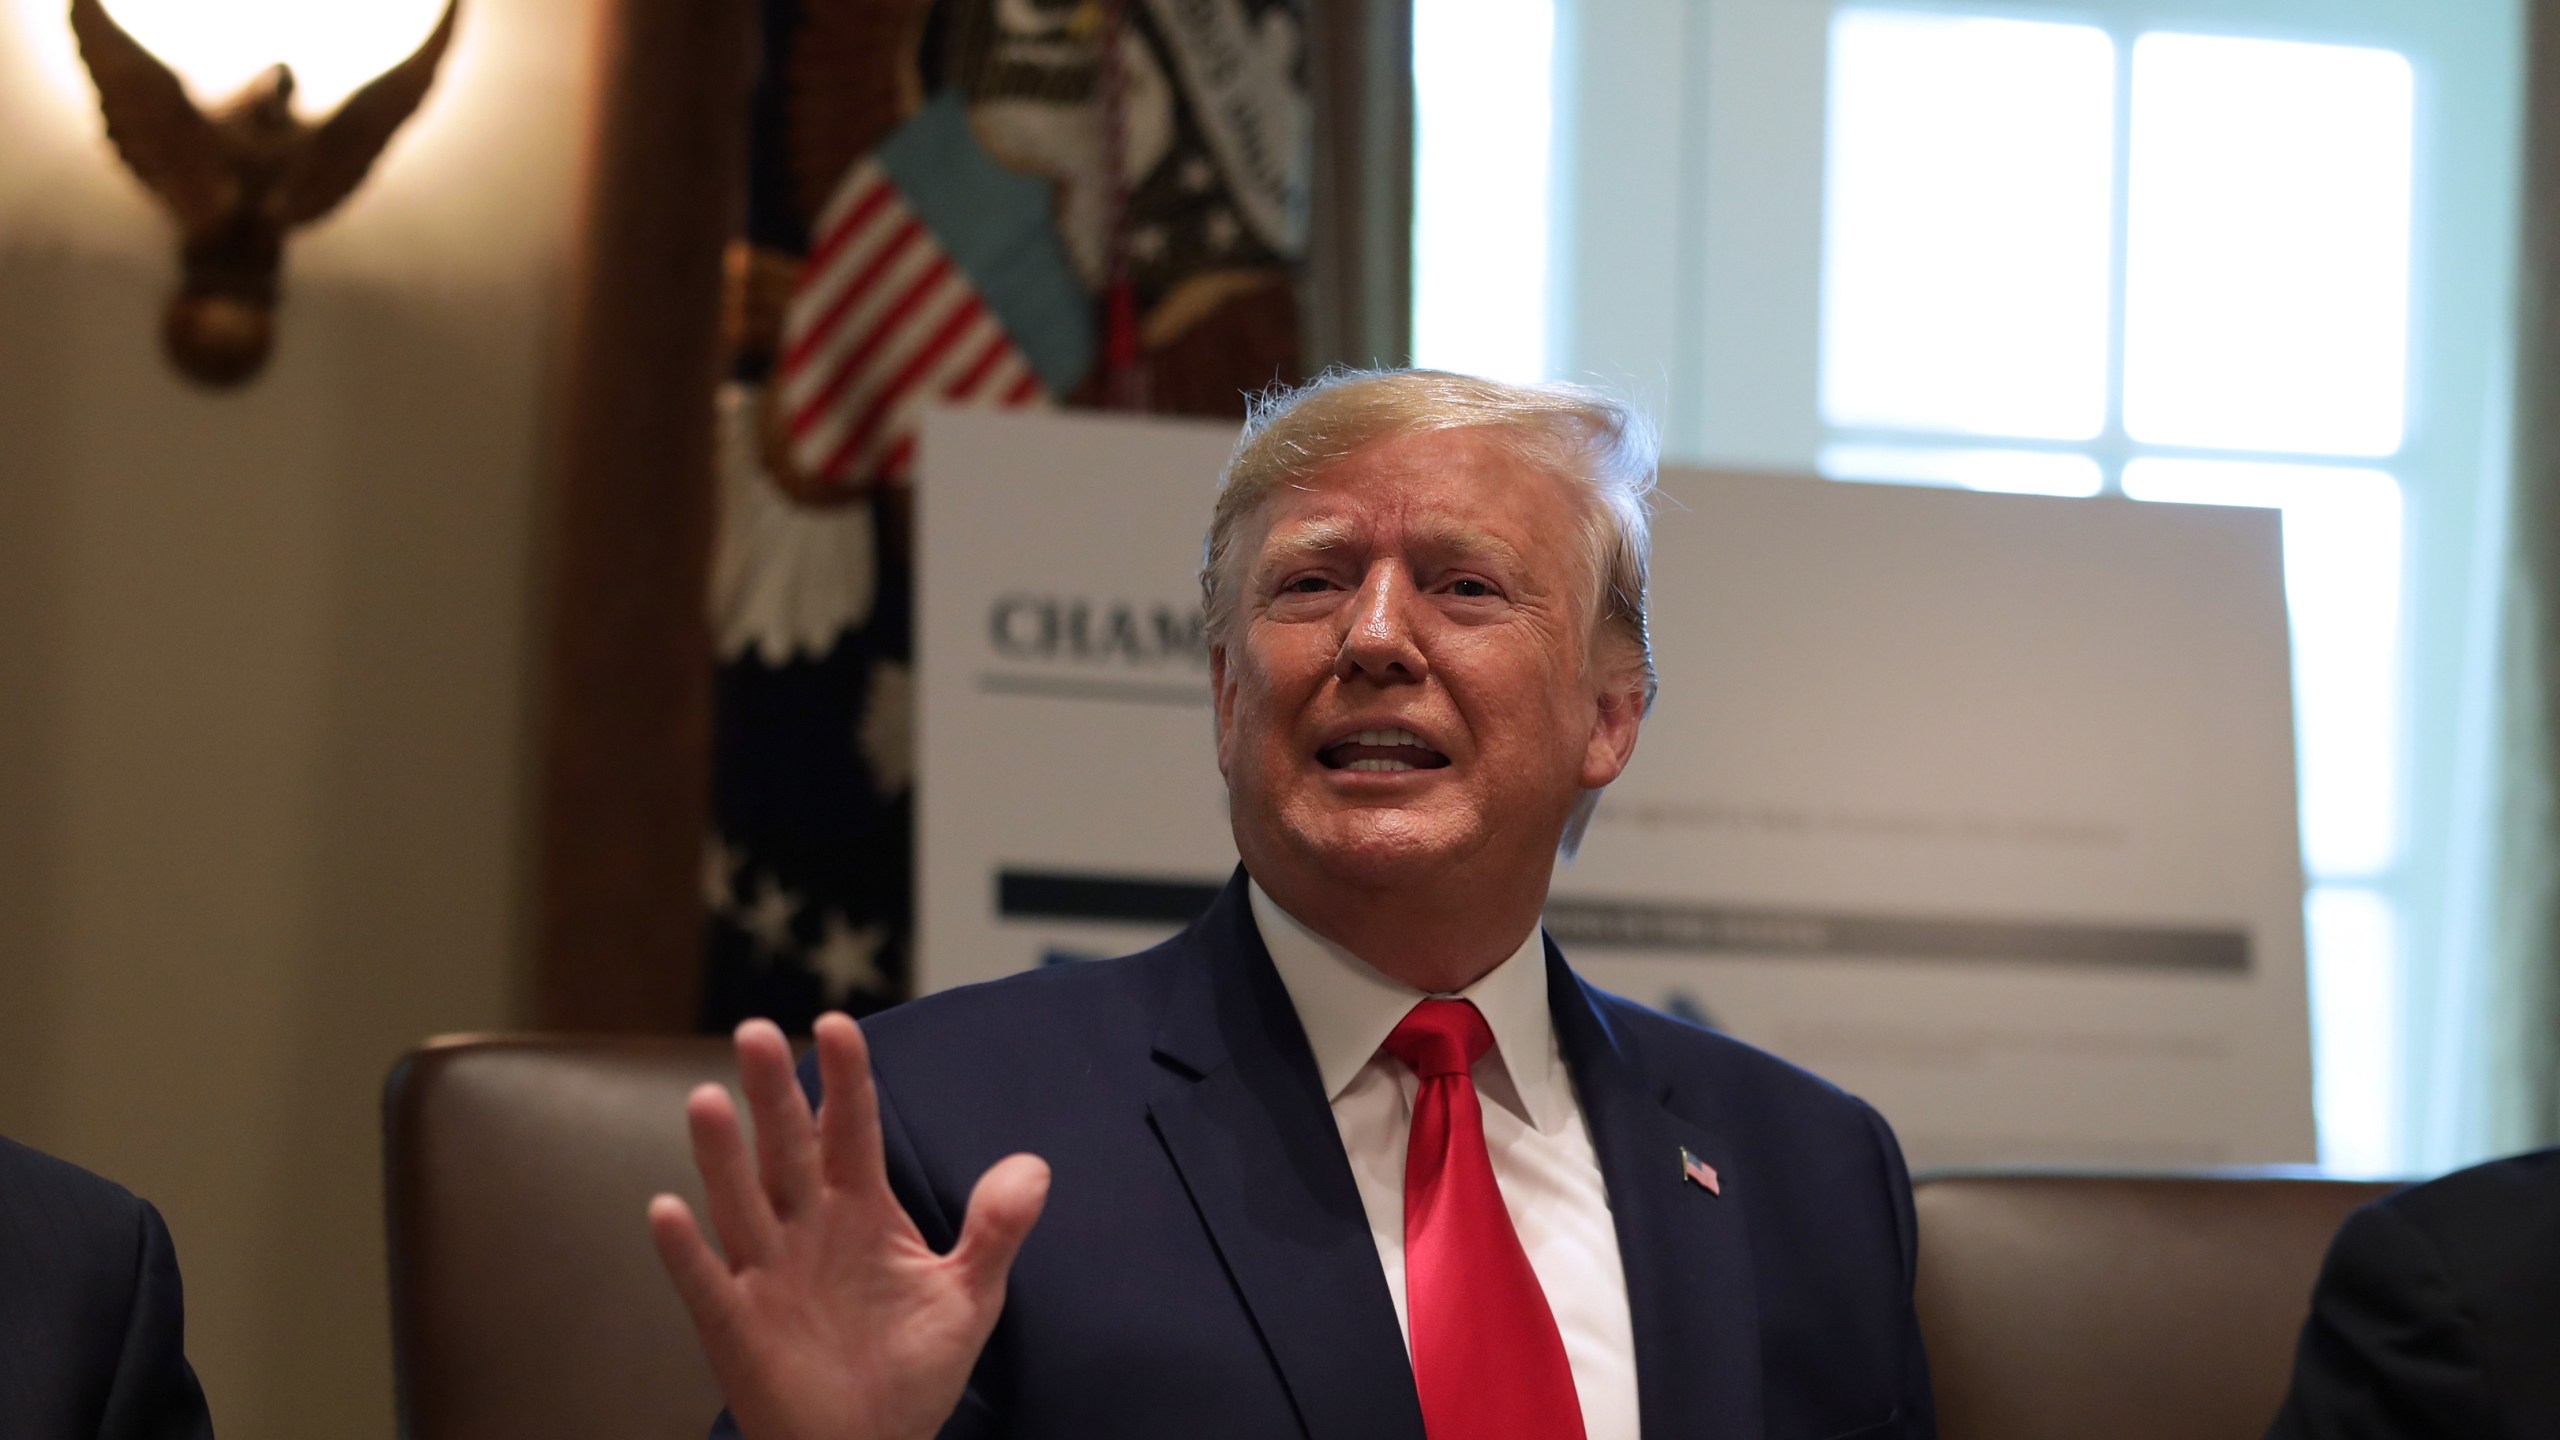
(1587, 437)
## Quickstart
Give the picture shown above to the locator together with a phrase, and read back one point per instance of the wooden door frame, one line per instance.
(626, 688)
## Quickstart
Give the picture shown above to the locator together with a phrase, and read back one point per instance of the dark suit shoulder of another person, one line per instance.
(2437, 1314)
(92, 1329)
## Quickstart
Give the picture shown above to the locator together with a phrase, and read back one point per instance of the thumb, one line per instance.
(1002, 1209)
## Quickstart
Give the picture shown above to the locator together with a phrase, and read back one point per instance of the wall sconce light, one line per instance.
(236, 180)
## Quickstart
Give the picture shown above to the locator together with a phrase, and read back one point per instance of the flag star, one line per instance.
(1146, 242)
(887, 736)
(1222, 229)
(849, 959)
(768, 917)
(720, 862)
(1196, 175)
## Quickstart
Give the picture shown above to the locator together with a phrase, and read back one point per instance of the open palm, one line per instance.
(830, 1317)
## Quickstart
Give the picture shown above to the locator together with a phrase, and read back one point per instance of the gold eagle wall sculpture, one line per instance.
(238, 179)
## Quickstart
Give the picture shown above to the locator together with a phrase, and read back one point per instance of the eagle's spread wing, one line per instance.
(167, 141)
(337, 154)
(852, 80)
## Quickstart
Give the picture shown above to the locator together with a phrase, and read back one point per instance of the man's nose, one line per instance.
(1379, 641)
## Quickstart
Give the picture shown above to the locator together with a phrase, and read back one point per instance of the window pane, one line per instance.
(2342, 585)
(2355, 1049)
(2017, 472)
(1965, 220)
(2267, 246)
(1484, 86)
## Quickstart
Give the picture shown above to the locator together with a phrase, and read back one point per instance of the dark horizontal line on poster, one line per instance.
(1079, 687)
(1720, 929)
(1050, 895)
(1701, 929)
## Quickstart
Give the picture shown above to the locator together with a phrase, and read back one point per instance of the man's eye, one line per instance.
(1472, 589)
(1305, 585)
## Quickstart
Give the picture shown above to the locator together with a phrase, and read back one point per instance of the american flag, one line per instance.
(1699, 1173)
(933, 280)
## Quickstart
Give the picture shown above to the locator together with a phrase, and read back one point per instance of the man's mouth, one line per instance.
(1381, 750)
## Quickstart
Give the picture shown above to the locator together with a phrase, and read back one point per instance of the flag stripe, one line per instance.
(894, 390)
(878, 336)
(897, 416)
(875, 308)
(895, 464)
(900, 240)
(981, 366)
(833, 449)
(824, 289)
(883, 318)
(822, 450)
(871, 194)
(905, 423)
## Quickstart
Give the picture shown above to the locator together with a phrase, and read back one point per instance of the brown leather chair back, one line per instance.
(2111, 1307)
(527, 1300)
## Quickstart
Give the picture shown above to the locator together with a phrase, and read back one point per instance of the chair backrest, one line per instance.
(526, 1297)
(2096, 1307)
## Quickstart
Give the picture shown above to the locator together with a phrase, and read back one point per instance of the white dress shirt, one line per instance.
(1533, 1129)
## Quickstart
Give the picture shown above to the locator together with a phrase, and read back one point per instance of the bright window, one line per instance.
(2267, 246)
(1966, 226)
(1972, 245)
(1483, 118)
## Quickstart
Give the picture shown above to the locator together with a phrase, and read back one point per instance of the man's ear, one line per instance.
(1620, 713)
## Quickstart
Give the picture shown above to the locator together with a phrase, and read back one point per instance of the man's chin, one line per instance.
(1369, 855)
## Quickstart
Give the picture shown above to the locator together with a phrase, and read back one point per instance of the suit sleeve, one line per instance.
(978, 1416)
(1918, 1411)
(154, 1395)
(2390, 1351)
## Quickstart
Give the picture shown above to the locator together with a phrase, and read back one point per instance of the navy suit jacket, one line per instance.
(91, 1323)
(1204, 1266)
(2437, 1314)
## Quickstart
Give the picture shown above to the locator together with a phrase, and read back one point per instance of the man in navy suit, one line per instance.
(92, 1328)
(1356, 1154)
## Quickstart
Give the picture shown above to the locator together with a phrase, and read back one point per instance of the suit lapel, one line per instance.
(1243, 1115)
(1687, 1253)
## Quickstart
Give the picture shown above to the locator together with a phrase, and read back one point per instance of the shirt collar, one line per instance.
(1347, 1008)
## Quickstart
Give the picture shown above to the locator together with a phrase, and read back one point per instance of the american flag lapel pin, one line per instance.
(1699, 1173)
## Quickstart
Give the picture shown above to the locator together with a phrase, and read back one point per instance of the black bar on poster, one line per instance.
(1704, 929)
(1052, 895)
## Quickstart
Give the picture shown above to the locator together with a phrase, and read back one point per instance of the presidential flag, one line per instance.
(934, 275)
(940, 195)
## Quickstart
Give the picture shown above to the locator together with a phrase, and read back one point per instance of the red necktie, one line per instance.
(1486, 1356)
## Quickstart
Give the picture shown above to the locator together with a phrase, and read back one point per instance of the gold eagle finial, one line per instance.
(236, 180)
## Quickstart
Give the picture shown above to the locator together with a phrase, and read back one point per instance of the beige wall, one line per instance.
(265, 685)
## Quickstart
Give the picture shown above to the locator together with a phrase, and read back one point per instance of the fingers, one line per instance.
(849, 1111)
(1002, 1209)
(739, 1210)
(700, 1279)
(786, 1138)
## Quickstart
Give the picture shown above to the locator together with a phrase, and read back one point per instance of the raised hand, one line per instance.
(831, 1318)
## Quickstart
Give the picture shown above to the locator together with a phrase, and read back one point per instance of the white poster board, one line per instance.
(1981, 806)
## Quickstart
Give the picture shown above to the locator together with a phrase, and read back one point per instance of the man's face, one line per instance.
(1406, 687)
